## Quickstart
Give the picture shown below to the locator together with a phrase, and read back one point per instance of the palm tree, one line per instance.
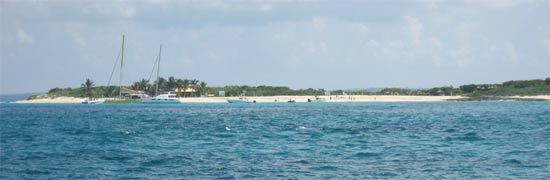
(202, 88)
(110, 91)
(179, 84)
(194, 84)
(88, 87)
(140, 85)
(162, 83)
(172, 83)
(185, 85)
(150, 89)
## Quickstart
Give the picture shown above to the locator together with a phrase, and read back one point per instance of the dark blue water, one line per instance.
(455, 140)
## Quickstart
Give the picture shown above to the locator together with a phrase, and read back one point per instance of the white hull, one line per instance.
(160, 100)
(237, 101)
(96, 101)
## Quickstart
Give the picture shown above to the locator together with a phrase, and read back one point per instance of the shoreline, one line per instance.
(328, 99)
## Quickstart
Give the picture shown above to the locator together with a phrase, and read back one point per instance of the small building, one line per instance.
(188, 92)
(221, 93)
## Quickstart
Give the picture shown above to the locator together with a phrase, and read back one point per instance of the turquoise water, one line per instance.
(453, 140)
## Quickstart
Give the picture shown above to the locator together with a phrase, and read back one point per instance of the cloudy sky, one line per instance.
(295, 43)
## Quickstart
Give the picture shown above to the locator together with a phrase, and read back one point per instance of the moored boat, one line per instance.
(94, 101)
(242, 99)
(162, 98)
(317, 99)
(238, 101)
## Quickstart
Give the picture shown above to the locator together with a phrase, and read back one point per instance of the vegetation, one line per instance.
(89, 90)
(88, 87)
(199, 88)
(266, 90)
(510, 88)
(92, 92)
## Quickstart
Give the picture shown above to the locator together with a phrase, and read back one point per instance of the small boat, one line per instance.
(242, 99)
(94, 101)
(317, 99)
(238, 101)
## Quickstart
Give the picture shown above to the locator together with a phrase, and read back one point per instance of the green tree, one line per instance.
(172, 83)
(161, 82)
(110, 91)
(184, 85)
(470, 88)
(194, 84)
(179, 85)
(202, 88)
(87, 88)
(140, 85)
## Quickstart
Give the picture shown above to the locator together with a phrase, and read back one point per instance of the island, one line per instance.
(195, 91)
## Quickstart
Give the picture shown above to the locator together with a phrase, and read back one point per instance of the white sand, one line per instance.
(259, 99)
(353, 98)
(56, 100)
(539, 97)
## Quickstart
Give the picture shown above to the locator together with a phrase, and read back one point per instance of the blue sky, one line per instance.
(295, 43)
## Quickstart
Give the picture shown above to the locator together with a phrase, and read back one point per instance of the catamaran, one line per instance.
(164, 97)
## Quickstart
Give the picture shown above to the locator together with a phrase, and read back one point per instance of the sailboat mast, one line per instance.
(121, 64)
(158, 69)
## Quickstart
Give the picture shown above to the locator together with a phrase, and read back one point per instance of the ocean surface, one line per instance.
(435, 140)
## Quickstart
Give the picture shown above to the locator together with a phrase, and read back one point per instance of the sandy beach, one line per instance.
(539, 97)
(352, 98)
(56, 100)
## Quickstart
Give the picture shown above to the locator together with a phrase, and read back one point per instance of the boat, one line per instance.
(102, 100)
(242, 99)
(317, 99)
(164, 97)
(94, 101)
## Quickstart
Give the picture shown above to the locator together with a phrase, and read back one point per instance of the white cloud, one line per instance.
(464, 32)
(497, 3)
(265, 7)
(416, 30)
(435, 50)
(393, 49)
(319, 23)
(116, 9)
(373, 48)
(547, 45)
(510, 51)
(360, 27)
(129, 12)
(158, 2)
(78, 39)
(23, 37)
(431, 4)
(215, 4)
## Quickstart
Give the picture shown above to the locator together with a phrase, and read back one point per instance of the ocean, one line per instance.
(429, 140)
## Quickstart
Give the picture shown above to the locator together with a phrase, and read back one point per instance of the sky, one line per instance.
(296, 43)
